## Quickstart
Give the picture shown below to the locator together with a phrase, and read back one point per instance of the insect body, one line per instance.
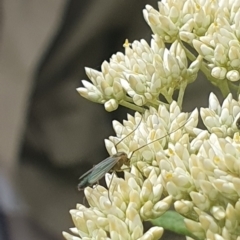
(112, 163)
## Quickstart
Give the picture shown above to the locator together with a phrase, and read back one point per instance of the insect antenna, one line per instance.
(130, 132)
(118, 170)
(114, 172)
(113, 163)
(168, 134)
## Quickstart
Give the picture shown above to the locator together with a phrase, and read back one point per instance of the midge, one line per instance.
(112, 163)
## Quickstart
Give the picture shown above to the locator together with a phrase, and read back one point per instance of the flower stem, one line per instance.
(132, 106)
(181, 93)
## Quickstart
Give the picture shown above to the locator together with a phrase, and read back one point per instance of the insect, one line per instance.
(112, 163)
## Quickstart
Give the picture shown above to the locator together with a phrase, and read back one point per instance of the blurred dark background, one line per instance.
(49, 134)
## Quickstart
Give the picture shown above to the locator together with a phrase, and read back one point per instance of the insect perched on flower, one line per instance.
(113, 163)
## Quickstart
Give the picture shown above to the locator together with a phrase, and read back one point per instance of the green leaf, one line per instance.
(174, 222)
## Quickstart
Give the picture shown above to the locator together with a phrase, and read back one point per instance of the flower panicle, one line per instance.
(192, 169)
(141, 76)
(172, 161)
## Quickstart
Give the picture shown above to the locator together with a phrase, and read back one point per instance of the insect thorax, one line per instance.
(123, 159)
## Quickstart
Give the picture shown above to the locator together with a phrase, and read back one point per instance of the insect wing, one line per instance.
(87, 173)
(97, 172)
(102, 168)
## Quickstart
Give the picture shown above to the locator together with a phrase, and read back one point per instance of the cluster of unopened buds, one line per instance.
(169, 162)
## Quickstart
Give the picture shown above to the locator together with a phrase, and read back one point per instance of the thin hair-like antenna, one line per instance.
(168, 134)
(131, 131)
(114, 172)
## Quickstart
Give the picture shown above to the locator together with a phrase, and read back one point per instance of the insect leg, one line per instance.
(109, 187)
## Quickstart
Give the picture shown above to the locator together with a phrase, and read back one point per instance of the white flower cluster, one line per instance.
(211, 27)
(214, 209)
(145, 72)
(171, 160)
(221, 120)
(196, 170)
(140, 76)
(119, 212)
(148, 136)
(182, 19)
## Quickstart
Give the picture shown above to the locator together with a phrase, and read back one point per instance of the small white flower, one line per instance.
(187, 19)
(211, 27)
(160, 24)
(140, 76)
(149, 135)
(118, 212)
(220, 47)
(221, 120)
(171, 160)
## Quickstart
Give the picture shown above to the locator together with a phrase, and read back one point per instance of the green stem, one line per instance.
(233, 86)
(224, 87)
(190, 55)
(150, 104)
(158, 102)
(128, 99)
(168, 94)
(132, 106)
(153, 103)
(181, 94)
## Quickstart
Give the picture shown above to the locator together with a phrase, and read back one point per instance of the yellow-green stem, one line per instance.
(132, 106)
